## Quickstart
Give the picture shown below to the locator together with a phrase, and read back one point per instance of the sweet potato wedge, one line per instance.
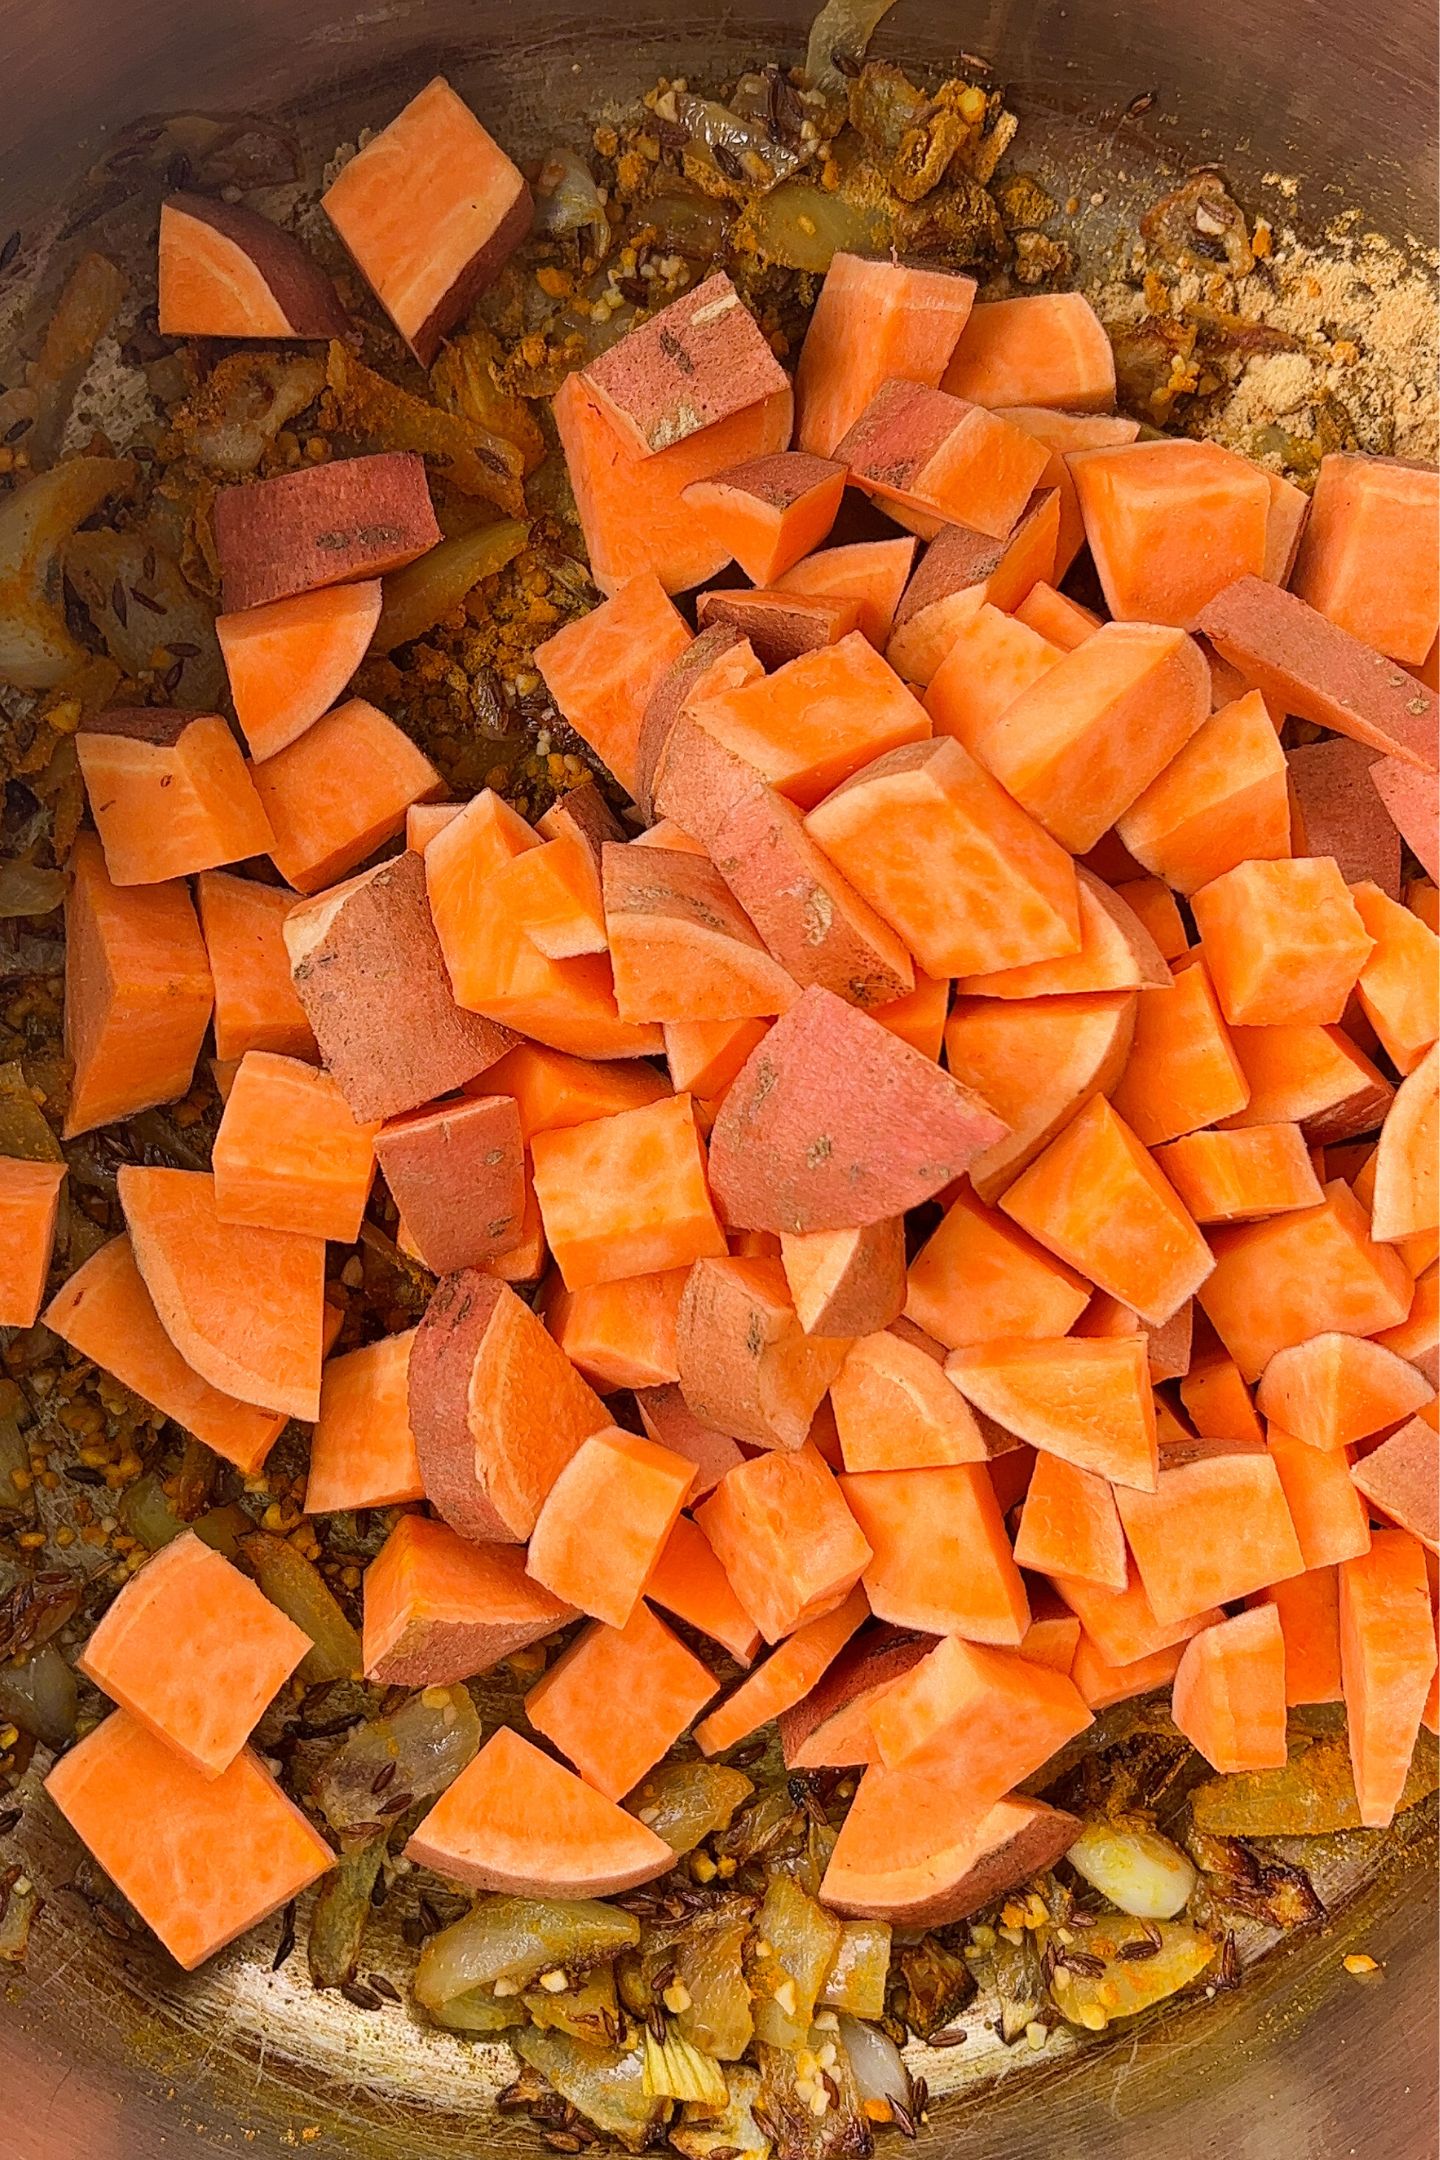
(705, 1055)
(457, 1174)
(771, 511)
(290, 661)
(1229, 1694)
(225, 271)
(439, 1609)
(1036, 1062)
(1044, 349)
(1283, 941)
(1407, 1161)
(983, 1714)
(966, 1868)
(1089, 1401)
(1056, 617)
(1141, 502)
(169, 794)
(874, 322)
(1241, 1176)
(1120, 1624)
(1399, 1479)
(644, 1665)
(1070, 1525)
(1183, 1071)
(1330, 1517)
(895, 1409)
(783, 1679)
(779, 626)
(791, 1547)
(322, 525)
(1368, 556)
(689, 1582)
(1116, 952)
(338, 791)
(991, 660)
(1409, 796)
(721, 658)
(872, 573)
(1314, 1077)
(604, 669)
(963, 571)
(746, 1365)
(834, 1123)
(619, 1334)
(980, 1278)
(1309, 1609)
(847, 1282)
(940, 1559)
(626, 1195)
(1399, 985)
(553, 1091)
(255, 1003)
(680, 947)
(637, 1489)
(495, 1406)
(1221, 801)
(829, 1728)
(691, 366)
(1387, 1661)
(1333, 1390)
(1061, 433)
(362, 1451)
(930, 459)
(1168, 1348)
(29, 1211)
(670, 1421)
(289, 1155)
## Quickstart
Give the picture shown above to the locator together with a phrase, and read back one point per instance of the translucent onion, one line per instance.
(382, 1767)
(85, 310)
(802, 227)
(702, 2132)
(40, 1696)
(844, 26)
(880, 2074)
(605, 2084)
(719, 2017)
(426, 591)
(1125, 1985)
(514, 1940)
(37, 651)
(859, 1969)
(27, 888)
(1137, 1870)
(685, 1803)
(802, 1940)
(567, 200)
(289, 1581)
(24, 1129)
(342, 1914)
(674, 2070)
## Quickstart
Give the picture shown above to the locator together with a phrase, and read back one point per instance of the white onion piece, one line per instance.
(879, 2072)
(1140, 1872)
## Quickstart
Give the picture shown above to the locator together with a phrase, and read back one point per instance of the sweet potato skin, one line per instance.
(1016, 1840)
(322, 525)
(302, 294)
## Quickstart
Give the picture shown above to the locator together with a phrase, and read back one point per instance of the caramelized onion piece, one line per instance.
(37, 651)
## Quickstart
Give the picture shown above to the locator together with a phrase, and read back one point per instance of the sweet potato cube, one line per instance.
(369, 972)
(847, 1282)
(194, 1652)
(965, 1866)
(671, 1423)
(784, 1679)
(990, 661)
(980, 1278)
(362, 1451)
(705, 1055)
(620, 1334)
(934, 459)
(1333, 1390)
(1069, 1524)
(1089, 1401)
(680, 947)
(1387, 1661)
(1399, 985)
(780, 1528)
(1241, 1176)
(895, 1410)
(983, 1713)
(1116, 952)
(1330, 1517)
(872, 573)
(1368, 557)
(1061, 433)
(961, 573)
(169, 794)
(431, 209)
(1056, 617)
(950, 862)
(642, 1665)
(1142, 502)
(1220, 802)
(694, 364)
(940, 1559)
(1400, 1479)
(1310, 1076)
(289, 1155)
(1308, 1606)
(338, 791)
(1044, 349)
(457, 1174)
(1102, 1684)
(834, 1123)
(1229, 1695)
(626, 1195)
(1168, 1348)
(138, 992)
(604, 668)
(553, 893)
(721, 658)
(1096, 1200)
(439, 1609)
(1284, 942)
(202, 1860)
(1215, 1529)
(1120, 1623)
(1407, 1160)
(1410, 798)
(29, 1210)
(771, 511)
(689, 1582)
(519, 1823)
(746, 1365)
(290, 661)
(322, 525)
(830, 1726)
(1035, 1061)
(778, 626)
(919, 1017)
(636, 1490)
(874, 322)
(1336, 810)
(552, 1090)
(256, 1007)
(225, 271)
(1183, 1070)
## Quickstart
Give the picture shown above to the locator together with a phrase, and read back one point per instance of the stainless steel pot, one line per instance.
(107, 2053)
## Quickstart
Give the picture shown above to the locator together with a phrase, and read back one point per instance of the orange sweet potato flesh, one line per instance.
(784, 1678)
(1086, 1400)
(689, 1582)
(990, 661)
(322, 525)
(967, 1867)
(1387, 1662)
(169, 794)
(619, 1334)
(1120, 1623)
(1311, 1076)
(1044, 349)
(1217, 1402)
(457, 1175)
(668, 1419)
(781, 1530)
(705, 1055)
(918, 1017)
(965, 878)
(106, 1313)
(362, 1451)
(1241, 1176)
(874, 322)
(1309, 1610)
(1170, 524)
(720, 658)
(1407, 1161)
(982, 1716)
(834, 1123)
(872, 573)
(338, 791)
(1102, 1684)
(1156, 907)
(603, 669)
(930, 459)
(1330, 1518)
(1368, 556)
(829, 1728)
(370, 975)
(194, 1652)
(632, 509)
(1061, 433)
(1096, 1200)
(243, 1306)
(1056, 617)
(1168, 1348)
(552, 1090)
(980, 1278)
(1284, 942)
(1315, 1272)
(225, 271)
(554, 894)
(202, 1860)
(1220, 802)
(680, 947)
(1183, 1071)
(1116, 952)
(1069, 1524)
(1399, 985)
(627, 1194)
(1332, 1390)
(288, 1155)
(1398, 1479)
(495, 1406)
(847, 1282)
(940, 1558)
(779, 626)
(1216, 1529)
(1418, 1336)
(632, 1487)
(1229, 1694)
(772, 511)
(430, 208)
(963, 573)
(138, 993)
(255, 1003)
(643, 1665)
(290, 661)
(439, 1609)
(895, 1409)
(746, 1365)
(517, 1822)
(29, 1210)
(1036, 1062)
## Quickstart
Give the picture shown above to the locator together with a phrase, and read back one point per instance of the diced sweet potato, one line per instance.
(1368, 558)
(338, 791)
(495, 1406)
(991, 660)
(362, 1451)
(779, 626)
(29, 1210)
(786, 1539)
(255, 1003)
(1183, 1071)
(963, 571)
(847, 1282)
(1044, 349)
(784, 1678)
(169, 794)
(1215, 1529)
(1220, 802)
(106, 1313)
(1116, 952)
(202, 1860)
(194, 1652)
(1217, 1402)
(1399, 985)
(980, 1278)
(619, 1334)
(693, 365)
(370, 975)
(1410, 796)
(931, 459)
(746, 1365)
(940, 1559)
(290, 661)
(829, 1728)
(1036, 1062)
(1167, 1348)
(1069, 1524)
(1229, 1696)
(670, 1421)
(680, 947)
(1170, 524)
(457, 1174)
(1407, 1161)
(606, 1520)
(1387, 1661)
(874, 322)
(626, 1195)
(705, 1055)
(1061, 433)
(1283, 941)
(980, 1715)
(721, 658)
(1309, 1611)
(430, 209)
(424, 820)
(1336, 811)
(872, 573)
(1330, 1518)
(1310, 1076)
(967, 1867)
(138, 993)
(919, 1017)
(225, 271)
(1096, 1200)
(1120, 1623)
(1333, 1390)
(552, 1090)
(1056, 617)
(439, 1609)
(1086, 1400)
(771, 511)
(289, 1155)
(1156, 907)
(1102, 1684)
(1241, 1176)
(689, 1581)
(895, 1409)
(1399, 1478)
(322, 525)
(604, 668)
(519, 1823)
(643, 1665)
(1319, 672)
(553, 894)
(958, 870)
(834, 1123)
